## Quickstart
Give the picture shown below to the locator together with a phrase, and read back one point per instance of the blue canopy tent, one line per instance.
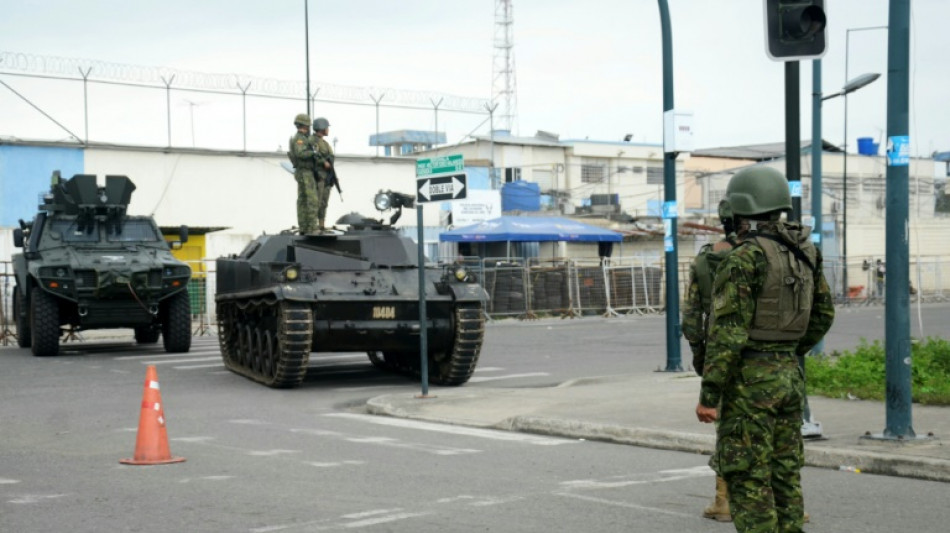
(530, 229)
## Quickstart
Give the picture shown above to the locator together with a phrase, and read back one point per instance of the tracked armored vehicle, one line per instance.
(286, 296)
(87, 264)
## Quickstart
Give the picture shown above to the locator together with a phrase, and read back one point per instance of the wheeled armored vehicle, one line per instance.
(286, 296)
(87, 264)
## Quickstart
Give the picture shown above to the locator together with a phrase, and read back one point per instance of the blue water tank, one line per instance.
(867, 146)
(521, 196)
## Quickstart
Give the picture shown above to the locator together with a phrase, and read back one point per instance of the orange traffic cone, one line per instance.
(151, 445)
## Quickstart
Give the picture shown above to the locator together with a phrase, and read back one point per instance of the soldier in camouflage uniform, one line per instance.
(301, 154)
(771, 303)
(696, 310)
(323, 154)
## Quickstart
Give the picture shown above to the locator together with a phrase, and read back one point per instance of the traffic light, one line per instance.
(794, 29)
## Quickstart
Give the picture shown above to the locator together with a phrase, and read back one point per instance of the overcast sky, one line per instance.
(583, 69)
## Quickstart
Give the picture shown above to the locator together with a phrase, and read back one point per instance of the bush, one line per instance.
(861, 373)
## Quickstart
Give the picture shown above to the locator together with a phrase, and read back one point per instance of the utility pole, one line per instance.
(897, 341)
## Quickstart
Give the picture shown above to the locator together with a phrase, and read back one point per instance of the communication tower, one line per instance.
(504, 88)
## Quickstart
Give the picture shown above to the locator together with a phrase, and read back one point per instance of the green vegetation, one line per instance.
(860, 373)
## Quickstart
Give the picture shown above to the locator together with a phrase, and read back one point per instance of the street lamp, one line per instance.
(850, 87)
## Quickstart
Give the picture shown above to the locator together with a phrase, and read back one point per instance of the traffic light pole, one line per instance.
(793, 143)
(674, 362)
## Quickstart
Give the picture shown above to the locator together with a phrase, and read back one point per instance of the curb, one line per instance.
(867, 461)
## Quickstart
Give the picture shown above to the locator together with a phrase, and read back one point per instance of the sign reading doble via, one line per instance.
(440, 179)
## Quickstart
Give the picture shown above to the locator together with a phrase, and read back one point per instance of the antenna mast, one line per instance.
(504, 90)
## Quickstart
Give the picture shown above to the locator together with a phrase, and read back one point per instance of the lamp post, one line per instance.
(850, 87)
(844, 200)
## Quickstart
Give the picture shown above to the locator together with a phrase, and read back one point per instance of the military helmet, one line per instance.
(302, 119)
(758, 190)
(321, 124)
(725, 210)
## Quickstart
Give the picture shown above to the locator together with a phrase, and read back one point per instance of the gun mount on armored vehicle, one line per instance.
(286, 296)
(87, 264)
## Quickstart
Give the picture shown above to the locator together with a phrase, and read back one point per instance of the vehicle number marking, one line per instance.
(384, 312)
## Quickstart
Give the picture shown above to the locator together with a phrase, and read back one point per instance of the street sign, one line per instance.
(441, 188)
(440, 165)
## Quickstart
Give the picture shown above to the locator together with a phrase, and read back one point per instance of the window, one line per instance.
(593, 172)
(133, 231)
(654, 175)
(512, 174)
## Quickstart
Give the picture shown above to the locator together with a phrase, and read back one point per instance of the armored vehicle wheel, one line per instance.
(24, 337)
(266, 341)
(176, 323)
(147, 334)
(44, 323)
(377, 359)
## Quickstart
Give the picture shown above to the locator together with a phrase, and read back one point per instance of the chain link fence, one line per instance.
(534, 288)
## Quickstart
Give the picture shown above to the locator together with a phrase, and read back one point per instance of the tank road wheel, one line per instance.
(268, 355)
(176, 323)
(24, 337)
(257, 354)
(147, 334)
(456, 366)
(271, 341)
(227, 333)
(44, 324)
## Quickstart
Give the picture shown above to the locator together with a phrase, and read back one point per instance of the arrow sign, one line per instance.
(442, 188)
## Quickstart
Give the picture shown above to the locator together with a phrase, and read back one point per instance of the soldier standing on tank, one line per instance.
(323, 156)
(301, 154)
(770, 303)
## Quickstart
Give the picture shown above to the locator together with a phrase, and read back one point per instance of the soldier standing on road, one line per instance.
(696, 311)
(324, 167)
(301, 154)
(770, 303)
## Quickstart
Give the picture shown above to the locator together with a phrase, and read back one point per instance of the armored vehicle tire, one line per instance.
(176, 323)
(147, 334)
(24, 337)
(44, 323)
(266, 341)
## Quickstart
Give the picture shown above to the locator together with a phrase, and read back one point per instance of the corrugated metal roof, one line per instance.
(758, 152)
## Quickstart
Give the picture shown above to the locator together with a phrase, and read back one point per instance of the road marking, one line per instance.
(383, 519)
(35, 498)
(336, 463)
(4, 481)
(493, 434)
(191, 360)
(489, 369)
(627, 505)
(376, 512)
(647, 478)
(191, 367)
(271, 453)
(509, 376)
(191, 353)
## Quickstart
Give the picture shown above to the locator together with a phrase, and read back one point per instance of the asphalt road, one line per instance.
(308, 459)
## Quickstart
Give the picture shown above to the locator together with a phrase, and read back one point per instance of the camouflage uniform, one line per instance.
(759, 386)
(302, 156)
(323, 153)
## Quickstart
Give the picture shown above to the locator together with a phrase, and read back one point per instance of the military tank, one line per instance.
(288, 295)
(87, 264)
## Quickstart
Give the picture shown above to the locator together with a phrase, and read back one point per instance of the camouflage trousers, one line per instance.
(759, 449)
(323, 195)
(307, 200)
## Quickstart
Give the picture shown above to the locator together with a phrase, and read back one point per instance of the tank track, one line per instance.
(450, 368)
(266, 340)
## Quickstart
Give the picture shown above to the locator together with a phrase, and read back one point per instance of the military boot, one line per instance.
(719, 509)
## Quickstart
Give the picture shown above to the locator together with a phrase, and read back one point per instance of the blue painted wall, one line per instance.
(25, 173)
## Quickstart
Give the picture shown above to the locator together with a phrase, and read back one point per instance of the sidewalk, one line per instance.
(656, 410)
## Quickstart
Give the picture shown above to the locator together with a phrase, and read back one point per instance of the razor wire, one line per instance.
(164, 77)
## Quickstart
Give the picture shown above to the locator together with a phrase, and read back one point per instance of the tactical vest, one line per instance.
(783, 306)
(707, 262)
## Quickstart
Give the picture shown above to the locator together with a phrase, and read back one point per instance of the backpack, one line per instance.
(707, 263)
